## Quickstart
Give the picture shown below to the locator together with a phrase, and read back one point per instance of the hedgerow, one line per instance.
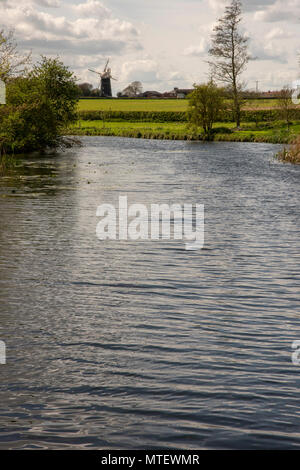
(260, 115)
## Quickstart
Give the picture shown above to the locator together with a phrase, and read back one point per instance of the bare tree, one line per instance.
(229, 50)
(11, 62)
(138, 87)
(286, 104)
(133, 90)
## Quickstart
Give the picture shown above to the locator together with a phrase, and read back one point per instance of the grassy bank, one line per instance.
(292, 154)
(249, 132)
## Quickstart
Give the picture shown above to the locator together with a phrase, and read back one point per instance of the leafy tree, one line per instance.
(205, 104)
(286, 104)
(229, 50)
(39, 107)
(85, 89)
(95, 92)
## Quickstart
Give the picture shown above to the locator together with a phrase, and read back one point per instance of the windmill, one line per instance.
(105, 81)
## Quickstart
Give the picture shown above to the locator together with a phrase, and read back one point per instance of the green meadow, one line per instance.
(155, 105)
(132, 105)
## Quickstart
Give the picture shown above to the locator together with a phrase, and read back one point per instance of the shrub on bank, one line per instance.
(291, 155)
(39, 107)
(222, 130)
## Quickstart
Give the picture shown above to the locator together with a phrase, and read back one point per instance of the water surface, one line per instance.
(143, 345)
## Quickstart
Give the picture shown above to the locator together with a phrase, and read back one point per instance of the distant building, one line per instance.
(151, 94)
(181, 93)
(169, 94)
(177, 93)
(270, 94)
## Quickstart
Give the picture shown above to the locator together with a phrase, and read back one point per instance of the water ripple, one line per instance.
(142, 344)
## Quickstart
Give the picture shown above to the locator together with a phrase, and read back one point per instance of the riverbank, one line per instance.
(265, 132)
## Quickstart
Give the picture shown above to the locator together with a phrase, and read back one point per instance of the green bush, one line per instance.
(291, 155)
(39, 107)
(206, 104)
(222, 130)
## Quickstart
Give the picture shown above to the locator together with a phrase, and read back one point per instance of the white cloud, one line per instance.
(177, 76)
(276, 51)
(48, 3)
(278, 11)
(247, 5)
(92, 9)
(145, 70)
(278, 33)
(46, 31)
(218, 5)
(197, 50)
(42, 3)
(269, 50)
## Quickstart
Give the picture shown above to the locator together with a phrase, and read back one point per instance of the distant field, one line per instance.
(267, 104)
(155, 105)
(153, 126)
(133, 105)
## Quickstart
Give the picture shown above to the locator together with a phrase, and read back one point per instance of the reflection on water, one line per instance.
(143, 344)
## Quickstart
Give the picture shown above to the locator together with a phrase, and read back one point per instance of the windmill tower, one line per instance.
(105, 81)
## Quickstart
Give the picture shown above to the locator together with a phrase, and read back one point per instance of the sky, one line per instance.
(162, 43)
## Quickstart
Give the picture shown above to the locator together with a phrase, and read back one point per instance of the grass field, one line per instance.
(155, 105)
(178, 130)
(143, 126)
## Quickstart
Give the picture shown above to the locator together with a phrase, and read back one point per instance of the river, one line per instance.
(142, 344)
